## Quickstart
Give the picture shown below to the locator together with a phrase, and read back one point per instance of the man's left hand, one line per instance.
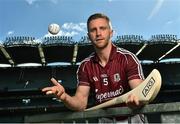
(133, 102)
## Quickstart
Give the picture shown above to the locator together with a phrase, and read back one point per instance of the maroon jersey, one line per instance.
(112, 80)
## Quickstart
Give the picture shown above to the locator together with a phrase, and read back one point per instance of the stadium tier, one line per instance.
(20, 86)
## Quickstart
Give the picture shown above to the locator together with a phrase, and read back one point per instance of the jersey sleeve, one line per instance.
(82, 75)
(134, 68)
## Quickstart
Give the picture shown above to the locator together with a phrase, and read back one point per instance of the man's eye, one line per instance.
(103, 28)
(92, 30)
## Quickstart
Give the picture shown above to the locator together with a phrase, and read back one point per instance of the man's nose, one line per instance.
(98, 32)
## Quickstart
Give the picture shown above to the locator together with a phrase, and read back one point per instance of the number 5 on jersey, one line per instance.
(105, 81)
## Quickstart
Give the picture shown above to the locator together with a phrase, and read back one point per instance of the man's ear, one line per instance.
(112, 31)
(88, 36)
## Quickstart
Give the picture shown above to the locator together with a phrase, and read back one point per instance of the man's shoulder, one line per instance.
(87, 59)
(121, 50)
(124, 54)
(85, 63)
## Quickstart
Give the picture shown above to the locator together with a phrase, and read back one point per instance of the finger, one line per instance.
(54, 82)
(59, 93)
(46, 89)
(49, 92)
(136, 100)
(131, 98)
(128, 99)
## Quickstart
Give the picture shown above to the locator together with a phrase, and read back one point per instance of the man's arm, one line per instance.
(78, 102)
(133, 100)
(134, 83)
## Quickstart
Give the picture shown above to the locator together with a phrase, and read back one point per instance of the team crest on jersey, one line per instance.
(104, 75)
(95, 78)
(117, 77)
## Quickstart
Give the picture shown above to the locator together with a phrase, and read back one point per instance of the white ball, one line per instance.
(54, 28)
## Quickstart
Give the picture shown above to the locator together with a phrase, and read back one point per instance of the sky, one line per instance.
(128, 17)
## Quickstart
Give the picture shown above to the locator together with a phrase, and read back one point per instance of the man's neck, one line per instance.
(104, 54)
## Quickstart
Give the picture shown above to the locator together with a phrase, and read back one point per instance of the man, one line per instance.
(108, 72)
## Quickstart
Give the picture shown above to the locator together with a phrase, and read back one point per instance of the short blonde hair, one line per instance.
(96, 16)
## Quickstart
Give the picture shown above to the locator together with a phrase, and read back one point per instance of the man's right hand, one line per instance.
(58, 90)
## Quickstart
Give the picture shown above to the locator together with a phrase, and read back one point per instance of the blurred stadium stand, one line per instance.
(20, 86)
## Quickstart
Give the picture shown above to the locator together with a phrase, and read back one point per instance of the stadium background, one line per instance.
(20, 86)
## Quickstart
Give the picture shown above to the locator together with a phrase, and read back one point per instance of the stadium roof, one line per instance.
(15, 54)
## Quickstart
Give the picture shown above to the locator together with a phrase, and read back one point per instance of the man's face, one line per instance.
(99, 33)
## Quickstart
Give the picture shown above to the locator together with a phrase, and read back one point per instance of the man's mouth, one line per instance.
(98, 40)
